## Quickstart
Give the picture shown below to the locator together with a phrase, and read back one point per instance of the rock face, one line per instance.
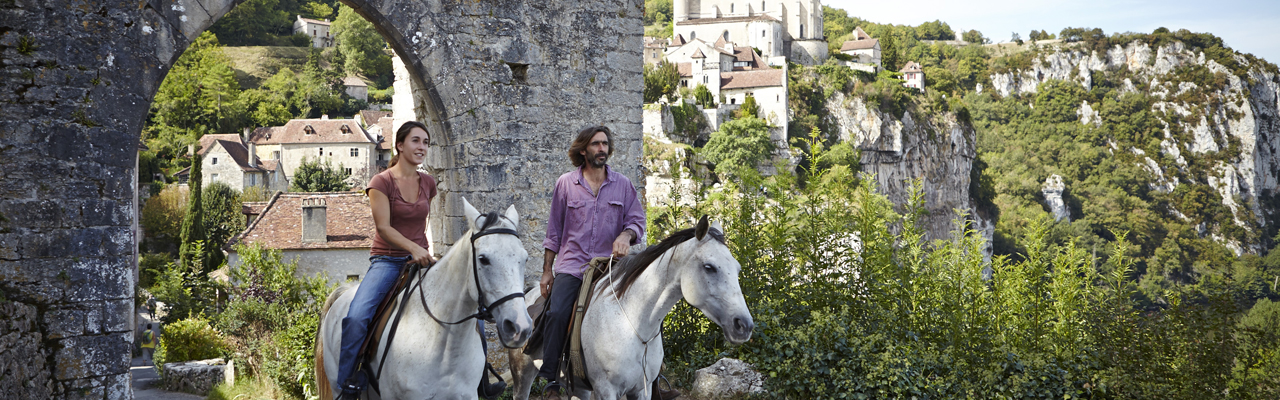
(1237, 122)
(1052, 190)
(727, 378)
(503, 85)
(197, 377)
(938, 152)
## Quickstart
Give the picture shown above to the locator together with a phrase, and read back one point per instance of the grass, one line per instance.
(254, 64)
(247, 388)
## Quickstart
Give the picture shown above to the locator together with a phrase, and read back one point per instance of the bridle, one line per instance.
(483, 312)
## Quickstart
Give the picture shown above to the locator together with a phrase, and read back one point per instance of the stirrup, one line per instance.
(487, 390)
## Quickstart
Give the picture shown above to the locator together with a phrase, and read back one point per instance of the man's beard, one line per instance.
(599, 160)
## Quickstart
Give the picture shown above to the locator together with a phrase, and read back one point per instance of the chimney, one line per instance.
(313, 220)
(253, 155)
(324, 117)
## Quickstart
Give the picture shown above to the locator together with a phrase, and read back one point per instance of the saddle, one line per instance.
(573, 364)
(381, 316)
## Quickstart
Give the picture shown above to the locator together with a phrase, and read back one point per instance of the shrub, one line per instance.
(189, 339)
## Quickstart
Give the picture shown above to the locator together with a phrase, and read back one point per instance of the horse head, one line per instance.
(498, 261)
(708, 276)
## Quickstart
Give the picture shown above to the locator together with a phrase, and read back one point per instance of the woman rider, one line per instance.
(400, 198)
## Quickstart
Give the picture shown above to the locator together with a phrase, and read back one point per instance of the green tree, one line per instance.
(223, 218)
(192, 254)
(703, 96)
(973, 36)
(254, 23)
(199, 95)
(317, 10)
(936, 30)
(1057, 101)
(361, 44)
(739, 144)
(749, 108)
(660, 80)
(890, 58)
(162, 220)
(657, 11)
(313, 176)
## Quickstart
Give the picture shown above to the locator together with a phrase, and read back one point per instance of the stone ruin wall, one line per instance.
(507, 82)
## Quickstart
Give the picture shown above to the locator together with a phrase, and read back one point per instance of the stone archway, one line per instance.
(508, 82)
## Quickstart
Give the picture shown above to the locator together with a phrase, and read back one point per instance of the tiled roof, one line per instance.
(748, 55)
(754, 78)
(371, 117)
(685, 68)
(720, 42)
(859, 34)
(323, 131)
(911, 66)
(230, 142)
(727, 20)
(253, 207)
(859, 44)
(315, 21)
(678, 40)
(697, 53)
(348, 224)
(353, 81)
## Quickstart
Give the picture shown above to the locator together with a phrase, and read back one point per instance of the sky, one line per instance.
(1245, 26)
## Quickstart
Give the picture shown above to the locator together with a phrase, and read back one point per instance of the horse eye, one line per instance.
(484, 260)
(709, 268)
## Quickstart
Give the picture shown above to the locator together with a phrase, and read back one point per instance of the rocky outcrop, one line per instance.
(727, 378)
(198, 377)
(1234, 122)
(1052, 190)
(938, 151)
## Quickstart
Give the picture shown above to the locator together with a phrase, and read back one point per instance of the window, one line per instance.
(348, 171)
(762, 6)
(731, 8)
(355, 152)
(213, 177)
(733, 100)
(215, 161)
(321, 152)
(275, 155)
(802, 31)
(693, 35)
(762, 33)
(353, 278)
(726, 36)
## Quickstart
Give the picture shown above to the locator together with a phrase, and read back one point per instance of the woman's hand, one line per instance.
(421, 256)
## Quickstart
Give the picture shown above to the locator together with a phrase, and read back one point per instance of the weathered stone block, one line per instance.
(198, 377)
(63, 323)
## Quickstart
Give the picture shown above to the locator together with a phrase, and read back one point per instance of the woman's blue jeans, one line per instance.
(383, 271)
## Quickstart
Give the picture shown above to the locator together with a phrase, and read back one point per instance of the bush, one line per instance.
(189, 339)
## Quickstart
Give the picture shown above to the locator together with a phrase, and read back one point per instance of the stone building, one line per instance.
(865, 51)
(502, 84)
(356, 88)
(340, 142)
(732, 73)
(779, 28)
(225, 158)
(326, 233)
(317, 30)
(654, 49)
(912, 75)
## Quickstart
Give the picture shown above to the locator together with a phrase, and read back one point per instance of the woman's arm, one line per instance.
(381, 206)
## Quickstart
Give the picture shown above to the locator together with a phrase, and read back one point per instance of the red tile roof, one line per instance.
(315, 21)
(678, 40)
(685, 68)
(754, 78)
(911, 66)
(859, 44)
(859, 34)
(231, 143)
(322, 131)
(697, 53)
(748, 55)
(349, 223)
(353, 81)
(371, 117)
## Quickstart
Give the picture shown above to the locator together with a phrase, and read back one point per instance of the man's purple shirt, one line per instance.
(583, 226)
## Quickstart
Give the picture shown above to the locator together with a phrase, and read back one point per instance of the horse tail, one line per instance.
(323, 389)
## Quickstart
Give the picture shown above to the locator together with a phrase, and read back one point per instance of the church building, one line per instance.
(780, 29)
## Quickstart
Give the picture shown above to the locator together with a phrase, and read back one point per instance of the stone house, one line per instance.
(226, 158)
(317, 30)
(654, 49)
(340, 142)
(382, 126)
(790, 29)
(865, 51)
(913, 75)
(732, 73)
(356, 88)
(326, 233)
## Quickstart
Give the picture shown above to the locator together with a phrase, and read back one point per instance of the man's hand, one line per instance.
(545, 284)
(622, 243)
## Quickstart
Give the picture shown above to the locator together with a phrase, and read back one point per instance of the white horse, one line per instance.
(621, 330)
(434, 355)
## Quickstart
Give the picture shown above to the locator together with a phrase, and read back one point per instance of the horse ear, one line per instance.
(701, 230)
(471, 213)
(512, 215)
(717, 227)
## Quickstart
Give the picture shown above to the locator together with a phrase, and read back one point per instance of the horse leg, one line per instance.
(523, 372)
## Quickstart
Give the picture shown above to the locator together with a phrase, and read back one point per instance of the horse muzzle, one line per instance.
(738, 330)
(515, 331)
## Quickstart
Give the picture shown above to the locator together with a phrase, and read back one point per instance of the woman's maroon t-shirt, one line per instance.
(410, 219)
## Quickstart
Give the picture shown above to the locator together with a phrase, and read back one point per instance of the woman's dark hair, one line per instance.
(402, 133)
(584, 139)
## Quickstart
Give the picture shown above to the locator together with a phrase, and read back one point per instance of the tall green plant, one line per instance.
(192, 253)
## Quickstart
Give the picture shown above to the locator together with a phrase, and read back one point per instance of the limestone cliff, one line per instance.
(1231, 121)
(937, 150)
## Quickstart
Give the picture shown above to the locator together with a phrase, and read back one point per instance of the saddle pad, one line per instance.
(577, 364)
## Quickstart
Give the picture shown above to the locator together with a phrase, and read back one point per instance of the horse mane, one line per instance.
(490, 219)
(629, 268)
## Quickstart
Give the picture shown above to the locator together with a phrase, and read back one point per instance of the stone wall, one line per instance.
(506, 83)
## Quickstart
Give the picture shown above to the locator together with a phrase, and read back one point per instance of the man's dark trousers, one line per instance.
(564, 292)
